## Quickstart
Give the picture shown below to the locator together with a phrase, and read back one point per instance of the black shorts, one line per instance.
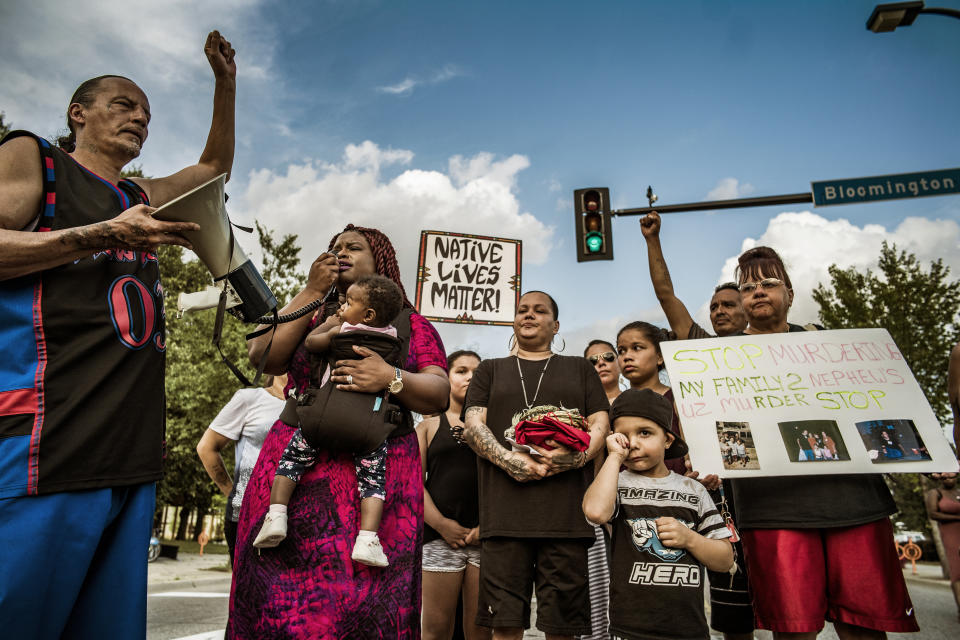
(230, 533)
(731, 610)
(510, 567)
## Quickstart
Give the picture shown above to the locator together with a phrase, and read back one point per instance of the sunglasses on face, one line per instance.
(766, 283)
(608, 356)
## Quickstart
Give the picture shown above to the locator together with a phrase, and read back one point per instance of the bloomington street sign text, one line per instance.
(889, 187)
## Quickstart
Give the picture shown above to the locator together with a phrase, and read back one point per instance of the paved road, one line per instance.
(189, 612)
(200, 613)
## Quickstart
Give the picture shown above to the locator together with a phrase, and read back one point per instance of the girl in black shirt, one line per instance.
(451, 549)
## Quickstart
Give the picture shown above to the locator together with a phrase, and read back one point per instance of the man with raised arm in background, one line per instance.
(726, 314)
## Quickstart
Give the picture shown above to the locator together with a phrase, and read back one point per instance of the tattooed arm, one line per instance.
(23, 252)
(209, 448)
(520, 466)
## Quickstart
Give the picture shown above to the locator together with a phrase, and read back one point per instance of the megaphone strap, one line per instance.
(218, 331)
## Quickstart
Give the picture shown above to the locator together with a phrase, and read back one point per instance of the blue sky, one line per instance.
(484, 117)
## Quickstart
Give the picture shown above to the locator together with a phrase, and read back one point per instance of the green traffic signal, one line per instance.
(594, 241)
(594, 234)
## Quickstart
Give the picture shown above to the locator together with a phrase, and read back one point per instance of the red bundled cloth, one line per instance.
(538, 432)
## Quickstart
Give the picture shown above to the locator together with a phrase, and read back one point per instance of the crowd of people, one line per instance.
(734, 449)
(391, 537)
(816, 446)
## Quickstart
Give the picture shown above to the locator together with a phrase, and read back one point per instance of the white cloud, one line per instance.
(367, 155)
(447, 73)
(315, 200)
(405, 86)
(809, 244)
(729, 189)
(48, 48)
(408, 84)
(606, 328)
(466, 170)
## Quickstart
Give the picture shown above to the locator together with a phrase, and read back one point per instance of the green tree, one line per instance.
(133, 171)
(280, 260)
(4, 127)
(919, 307)
(198, 383)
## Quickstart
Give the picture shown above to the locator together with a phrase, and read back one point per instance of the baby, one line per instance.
(371, 303)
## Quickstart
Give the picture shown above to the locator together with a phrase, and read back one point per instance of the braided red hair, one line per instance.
(384, 256)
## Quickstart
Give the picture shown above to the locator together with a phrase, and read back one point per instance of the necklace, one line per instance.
(523, 385)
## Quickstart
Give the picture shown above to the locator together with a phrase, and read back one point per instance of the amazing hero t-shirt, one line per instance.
(657, 591)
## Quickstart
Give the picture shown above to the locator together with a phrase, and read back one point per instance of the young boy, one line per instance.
(665, 526)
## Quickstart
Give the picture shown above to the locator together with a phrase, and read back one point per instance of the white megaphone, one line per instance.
(215, 245)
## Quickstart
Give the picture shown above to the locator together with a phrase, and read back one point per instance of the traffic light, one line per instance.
(594, 228)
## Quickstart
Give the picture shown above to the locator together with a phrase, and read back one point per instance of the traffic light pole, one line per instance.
(763, 201)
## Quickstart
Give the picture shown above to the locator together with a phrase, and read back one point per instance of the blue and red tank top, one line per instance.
(82, 351)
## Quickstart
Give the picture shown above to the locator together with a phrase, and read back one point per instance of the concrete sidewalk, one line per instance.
(189, 569)
(929, 572)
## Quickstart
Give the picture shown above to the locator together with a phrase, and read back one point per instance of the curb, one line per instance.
(176, 585)
(942, 582)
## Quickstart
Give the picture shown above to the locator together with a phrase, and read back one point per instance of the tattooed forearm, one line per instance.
(567, 461)
(222, 479)
(485, 444)
(91, 236)
(480, 438)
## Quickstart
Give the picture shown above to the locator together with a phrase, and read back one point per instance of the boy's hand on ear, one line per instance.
(673, 533)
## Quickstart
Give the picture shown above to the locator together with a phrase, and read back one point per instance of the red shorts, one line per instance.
(800, 577)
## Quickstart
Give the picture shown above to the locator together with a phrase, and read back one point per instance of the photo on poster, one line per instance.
(892, 441)
(813, 441)
(736, 446)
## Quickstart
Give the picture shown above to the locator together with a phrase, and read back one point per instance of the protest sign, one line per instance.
(803, 403)
(468, 279)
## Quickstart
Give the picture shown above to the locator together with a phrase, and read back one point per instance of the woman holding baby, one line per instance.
(308, 586)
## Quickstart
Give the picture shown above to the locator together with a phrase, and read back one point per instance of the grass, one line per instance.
(192, 546)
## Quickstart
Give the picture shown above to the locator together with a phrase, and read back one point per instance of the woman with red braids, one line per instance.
(309, 587)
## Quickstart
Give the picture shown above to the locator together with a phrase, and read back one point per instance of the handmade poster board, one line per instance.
(468, 279)
(803, 403)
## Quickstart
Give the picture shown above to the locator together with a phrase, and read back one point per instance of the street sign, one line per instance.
(889, 187)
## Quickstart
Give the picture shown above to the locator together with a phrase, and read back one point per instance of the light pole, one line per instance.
(887, 17)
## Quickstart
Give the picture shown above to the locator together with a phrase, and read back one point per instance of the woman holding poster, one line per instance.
(817, 547)
(309, 587)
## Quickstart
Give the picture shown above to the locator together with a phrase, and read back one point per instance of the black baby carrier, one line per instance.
(351, 421)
